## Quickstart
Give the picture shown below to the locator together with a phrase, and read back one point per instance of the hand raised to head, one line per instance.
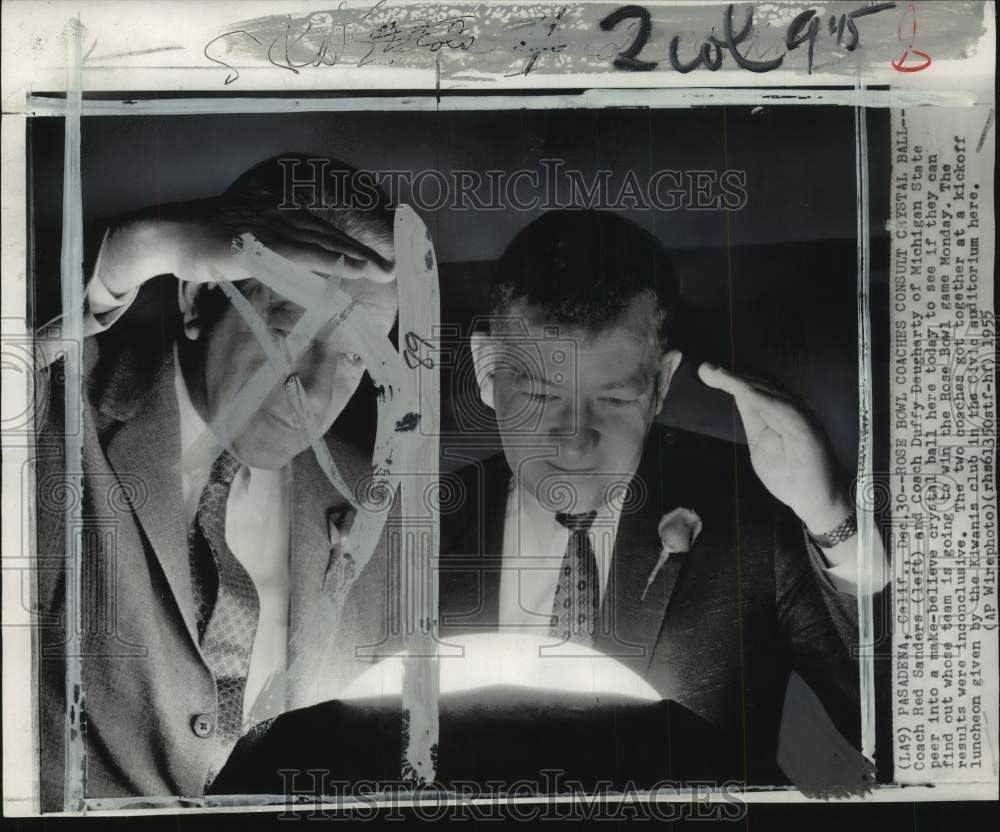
(789, 451)
(194, 242)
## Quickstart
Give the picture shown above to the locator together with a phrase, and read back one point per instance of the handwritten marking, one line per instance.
(534, 44)
(628, 58)
(899, 63)
(410, 354)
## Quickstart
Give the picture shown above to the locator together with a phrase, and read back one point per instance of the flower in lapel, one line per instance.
(339, 521)
(678, 531)
(335, 518)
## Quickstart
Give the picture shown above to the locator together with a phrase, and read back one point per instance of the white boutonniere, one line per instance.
(678, 531)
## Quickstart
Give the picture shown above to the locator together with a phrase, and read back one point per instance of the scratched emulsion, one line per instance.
(72, 323)
(419, 316)
(866, 513)
(479, 41)
(306, 421)
(663, 98)
(326, 302)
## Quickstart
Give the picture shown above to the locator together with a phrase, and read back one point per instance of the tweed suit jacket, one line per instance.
(144, 679)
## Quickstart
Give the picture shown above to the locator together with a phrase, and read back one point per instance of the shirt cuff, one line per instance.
(103, 307)
(844, 577)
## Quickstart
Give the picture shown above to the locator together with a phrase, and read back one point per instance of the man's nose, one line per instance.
(577, 448)
(315, 372)
(575, 435)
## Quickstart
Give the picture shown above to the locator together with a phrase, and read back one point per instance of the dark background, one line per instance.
(768, 290)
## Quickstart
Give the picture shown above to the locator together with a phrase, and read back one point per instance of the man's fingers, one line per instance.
(326, 235)
(326, 262)
(781, 412)
(326, 258)
(760, 404)
(206, 230)
(314, 257)
(299, 227)
(719, 378)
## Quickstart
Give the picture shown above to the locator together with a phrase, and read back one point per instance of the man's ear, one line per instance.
(669, 363)
(188, 293)
(484, 350)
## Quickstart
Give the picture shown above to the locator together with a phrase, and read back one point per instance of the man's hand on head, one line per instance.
(788, 450)
(194, 242)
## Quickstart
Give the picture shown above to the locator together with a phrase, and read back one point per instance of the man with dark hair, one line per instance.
(203, 565)
(713, 574)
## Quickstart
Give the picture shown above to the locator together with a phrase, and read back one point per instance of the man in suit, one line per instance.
(205, 607)
(711, 574)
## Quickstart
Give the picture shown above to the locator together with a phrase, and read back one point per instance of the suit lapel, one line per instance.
(315, 507)
(147, 447)
(314, 503)
(497, 489)
(472, 548)
(633, 614)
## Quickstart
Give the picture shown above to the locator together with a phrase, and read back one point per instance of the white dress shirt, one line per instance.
(257, 533)
(534, 544)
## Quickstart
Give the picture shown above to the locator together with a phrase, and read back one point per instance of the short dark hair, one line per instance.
(583, 268)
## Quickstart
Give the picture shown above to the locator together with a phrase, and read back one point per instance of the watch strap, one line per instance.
(844, 531)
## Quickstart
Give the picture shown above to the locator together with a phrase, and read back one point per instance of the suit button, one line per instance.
(203, 725)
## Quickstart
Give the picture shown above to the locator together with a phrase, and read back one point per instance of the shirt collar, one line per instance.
(192, 425)
(195, 472)
(521, 500)
(259, 483)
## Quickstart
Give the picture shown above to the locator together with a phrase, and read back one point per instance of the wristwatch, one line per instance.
(845, 531)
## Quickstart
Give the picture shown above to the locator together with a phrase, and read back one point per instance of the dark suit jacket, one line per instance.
(143, 676)
(722, 626)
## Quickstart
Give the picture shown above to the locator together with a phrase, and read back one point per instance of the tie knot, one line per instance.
(224, 469)
(576, 522)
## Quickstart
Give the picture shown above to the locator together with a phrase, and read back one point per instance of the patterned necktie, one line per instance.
(226, 598)
(578, 593)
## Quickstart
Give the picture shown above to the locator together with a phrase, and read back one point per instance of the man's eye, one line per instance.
(616, 402)
(539, 397)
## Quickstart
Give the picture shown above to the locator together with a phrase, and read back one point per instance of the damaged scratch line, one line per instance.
(420, 313)
(325, 304)
(866, 516)
(71, 273)
(986, 130)
(293, 387)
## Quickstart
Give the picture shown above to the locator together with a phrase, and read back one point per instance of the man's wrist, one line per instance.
(843, 532)
(822, 521)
